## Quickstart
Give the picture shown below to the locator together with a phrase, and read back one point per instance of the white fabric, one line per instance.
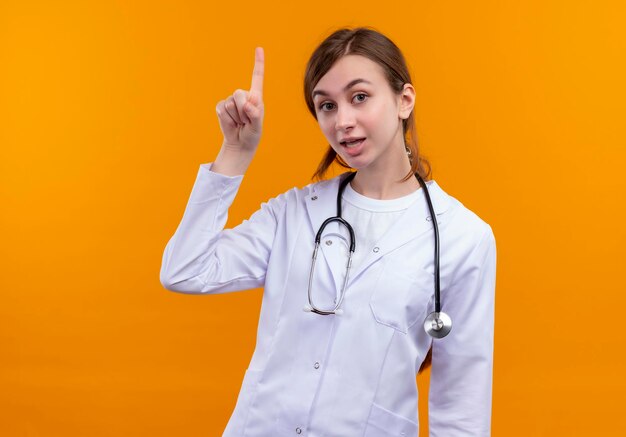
(370, 219)
(354, 374)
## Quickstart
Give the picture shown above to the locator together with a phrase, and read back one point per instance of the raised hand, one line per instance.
(241, 114)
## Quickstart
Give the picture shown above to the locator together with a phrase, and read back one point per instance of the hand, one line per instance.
(241, 114)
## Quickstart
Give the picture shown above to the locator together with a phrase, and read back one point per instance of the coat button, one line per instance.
(329, 242)
(298, 431)
(376, 249)
(314, 198)
(316, 365)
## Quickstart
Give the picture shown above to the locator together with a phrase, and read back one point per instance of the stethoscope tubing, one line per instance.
(437, 324)
(433, 218)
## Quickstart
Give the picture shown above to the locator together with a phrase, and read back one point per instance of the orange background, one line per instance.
(108, 108)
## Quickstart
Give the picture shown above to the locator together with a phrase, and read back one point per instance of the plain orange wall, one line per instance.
(108, 108)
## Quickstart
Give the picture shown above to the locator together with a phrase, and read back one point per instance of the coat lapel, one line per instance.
(414, 222)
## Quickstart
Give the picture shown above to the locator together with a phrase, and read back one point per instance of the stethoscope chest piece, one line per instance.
(438, 324)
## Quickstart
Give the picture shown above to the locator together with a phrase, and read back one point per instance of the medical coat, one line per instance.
(352, 374)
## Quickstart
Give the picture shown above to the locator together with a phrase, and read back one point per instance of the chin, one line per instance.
(355, 162)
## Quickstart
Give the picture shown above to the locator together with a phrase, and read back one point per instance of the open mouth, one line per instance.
(352, 143)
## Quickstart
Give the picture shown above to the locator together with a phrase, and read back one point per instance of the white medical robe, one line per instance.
(353, 374)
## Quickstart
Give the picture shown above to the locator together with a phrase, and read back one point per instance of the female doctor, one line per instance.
(339, 343)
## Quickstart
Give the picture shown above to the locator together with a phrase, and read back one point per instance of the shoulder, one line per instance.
(298, 194)
(297, 197)
(467, 241)
(464, 225)
(323, 186)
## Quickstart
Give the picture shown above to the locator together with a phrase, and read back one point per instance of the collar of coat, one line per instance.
(321, 203)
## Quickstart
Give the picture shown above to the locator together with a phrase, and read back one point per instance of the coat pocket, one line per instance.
(384, 423)
(401, 298)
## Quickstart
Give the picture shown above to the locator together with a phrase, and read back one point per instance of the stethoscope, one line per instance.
(437, 324)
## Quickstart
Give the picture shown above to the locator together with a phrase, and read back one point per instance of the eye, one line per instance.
(363, 97)
(324, 106)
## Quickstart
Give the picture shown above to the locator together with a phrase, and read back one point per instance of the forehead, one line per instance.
(347, 69)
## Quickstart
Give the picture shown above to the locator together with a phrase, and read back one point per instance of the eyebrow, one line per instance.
(346, 88)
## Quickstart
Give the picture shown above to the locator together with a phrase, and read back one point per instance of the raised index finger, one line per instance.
(259, 70)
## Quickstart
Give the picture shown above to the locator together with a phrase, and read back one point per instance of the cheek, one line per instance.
(372, 121)
(326, 128)
(389, 118)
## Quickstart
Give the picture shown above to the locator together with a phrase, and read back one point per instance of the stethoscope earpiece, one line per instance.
(438, 324)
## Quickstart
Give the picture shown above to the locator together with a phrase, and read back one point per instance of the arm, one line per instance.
(202, 257)
(462, 363)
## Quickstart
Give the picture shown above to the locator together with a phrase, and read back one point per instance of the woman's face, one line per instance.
(360, 115)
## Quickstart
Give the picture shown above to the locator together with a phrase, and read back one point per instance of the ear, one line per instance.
(407, 101)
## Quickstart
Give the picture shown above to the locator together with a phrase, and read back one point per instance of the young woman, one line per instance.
(346, 365)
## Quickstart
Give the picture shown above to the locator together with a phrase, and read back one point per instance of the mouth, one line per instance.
(354, 147)
(353, 143)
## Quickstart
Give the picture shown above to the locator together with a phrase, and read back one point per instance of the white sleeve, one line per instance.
(202, 256)
(462, 363)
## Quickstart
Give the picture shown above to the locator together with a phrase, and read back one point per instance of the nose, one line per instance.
(345, 118)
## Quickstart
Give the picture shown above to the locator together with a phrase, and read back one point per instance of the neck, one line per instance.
(386, 181)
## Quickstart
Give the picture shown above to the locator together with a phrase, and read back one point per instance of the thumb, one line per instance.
(254, 98)
(254, 113)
